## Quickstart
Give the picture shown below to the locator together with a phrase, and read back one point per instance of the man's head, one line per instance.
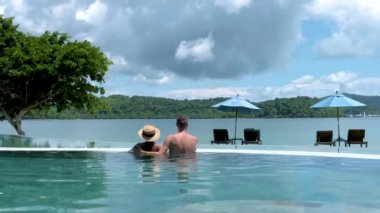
(182, 122)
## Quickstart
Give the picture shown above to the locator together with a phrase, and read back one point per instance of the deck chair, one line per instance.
(356, 136)
(251, 136)
(221, 136)
(324, 138)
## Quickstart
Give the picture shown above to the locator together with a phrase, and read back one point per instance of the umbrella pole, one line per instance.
(236, 112)
(337, 116)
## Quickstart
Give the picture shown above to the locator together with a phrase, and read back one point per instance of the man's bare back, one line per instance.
(180, 143)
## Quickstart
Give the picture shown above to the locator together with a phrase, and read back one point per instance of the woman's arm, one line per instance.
(163, 149)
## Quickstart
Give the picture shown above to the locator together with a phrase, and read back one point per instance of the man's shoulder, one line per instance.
(192, 136)
(179, 136)
(169, 137)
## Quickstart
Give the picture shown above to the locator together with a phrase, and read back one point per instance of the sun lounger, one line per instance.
(324, 138)
(221, 136)
(356, 136)
(251, 136)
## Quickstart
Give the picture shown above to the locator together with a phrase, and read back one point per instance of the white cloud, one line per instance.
(18, 5)
(232, 6)
(33, 26)
(151, 76)
(60, 10)
(95, 14)
(160, 79)
(344, 81)
(2, 9)
(117, 60)
(343, 45)
(19, 9)
(174, 36)
(204, 93)
(39, 16)
(306, 79)
(197, 51)
(340, 77)
(357, 31)
(116, 84)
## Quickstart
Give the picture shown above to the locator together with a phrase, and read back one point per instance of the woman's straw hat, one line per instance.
(149, 133)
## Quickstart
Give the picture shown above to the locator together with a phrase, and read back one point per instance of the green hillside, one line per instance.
(140, 107)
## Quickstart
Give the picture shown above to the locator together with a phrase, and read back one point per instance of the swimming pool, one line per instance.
(209, 182)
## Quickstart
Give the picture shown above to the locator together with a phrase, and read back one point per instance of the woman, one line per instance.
(149, 134)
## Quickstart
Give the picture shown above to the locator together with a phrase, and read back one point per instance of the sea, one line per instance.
(123, 132)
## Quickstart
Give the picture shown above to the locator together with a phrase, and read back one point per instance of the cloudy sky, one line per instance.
(259, 49)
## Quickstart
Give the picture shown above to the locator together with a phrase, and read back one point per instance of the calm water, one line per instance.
(123, 133)
(119, 182)
(210, 182)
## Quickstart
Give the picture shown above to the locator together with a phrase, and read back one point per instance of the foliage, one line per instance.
(138, 107)
(372, 102)
(142, 107)
(298, 107)
(40, 72)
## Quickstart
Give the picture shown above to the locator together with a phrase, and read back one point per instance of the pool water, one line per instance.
(207, 182)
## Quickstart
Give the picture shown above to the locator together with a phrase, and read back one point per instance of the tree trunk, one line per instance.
(16, 123)
(15, 120)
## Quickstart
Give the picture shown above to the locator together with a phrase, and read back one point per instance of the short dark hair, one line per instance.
(182, 122)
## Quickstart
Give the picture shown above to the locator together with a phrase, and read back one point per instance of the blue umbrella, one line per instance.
(236, 104)
(338, 100)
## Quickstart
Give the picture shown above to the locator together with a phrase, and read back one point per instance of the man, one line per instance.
(178, 143)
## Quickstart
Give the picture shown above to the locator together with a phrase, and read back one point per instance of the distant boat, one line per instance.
(370, 115)
(360, 115)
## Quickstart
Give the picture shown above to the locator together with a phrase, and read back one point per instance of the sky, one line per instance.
(200, 49)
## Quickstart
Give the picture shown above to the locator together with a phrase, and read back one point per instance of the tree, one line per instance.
(50, 70)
